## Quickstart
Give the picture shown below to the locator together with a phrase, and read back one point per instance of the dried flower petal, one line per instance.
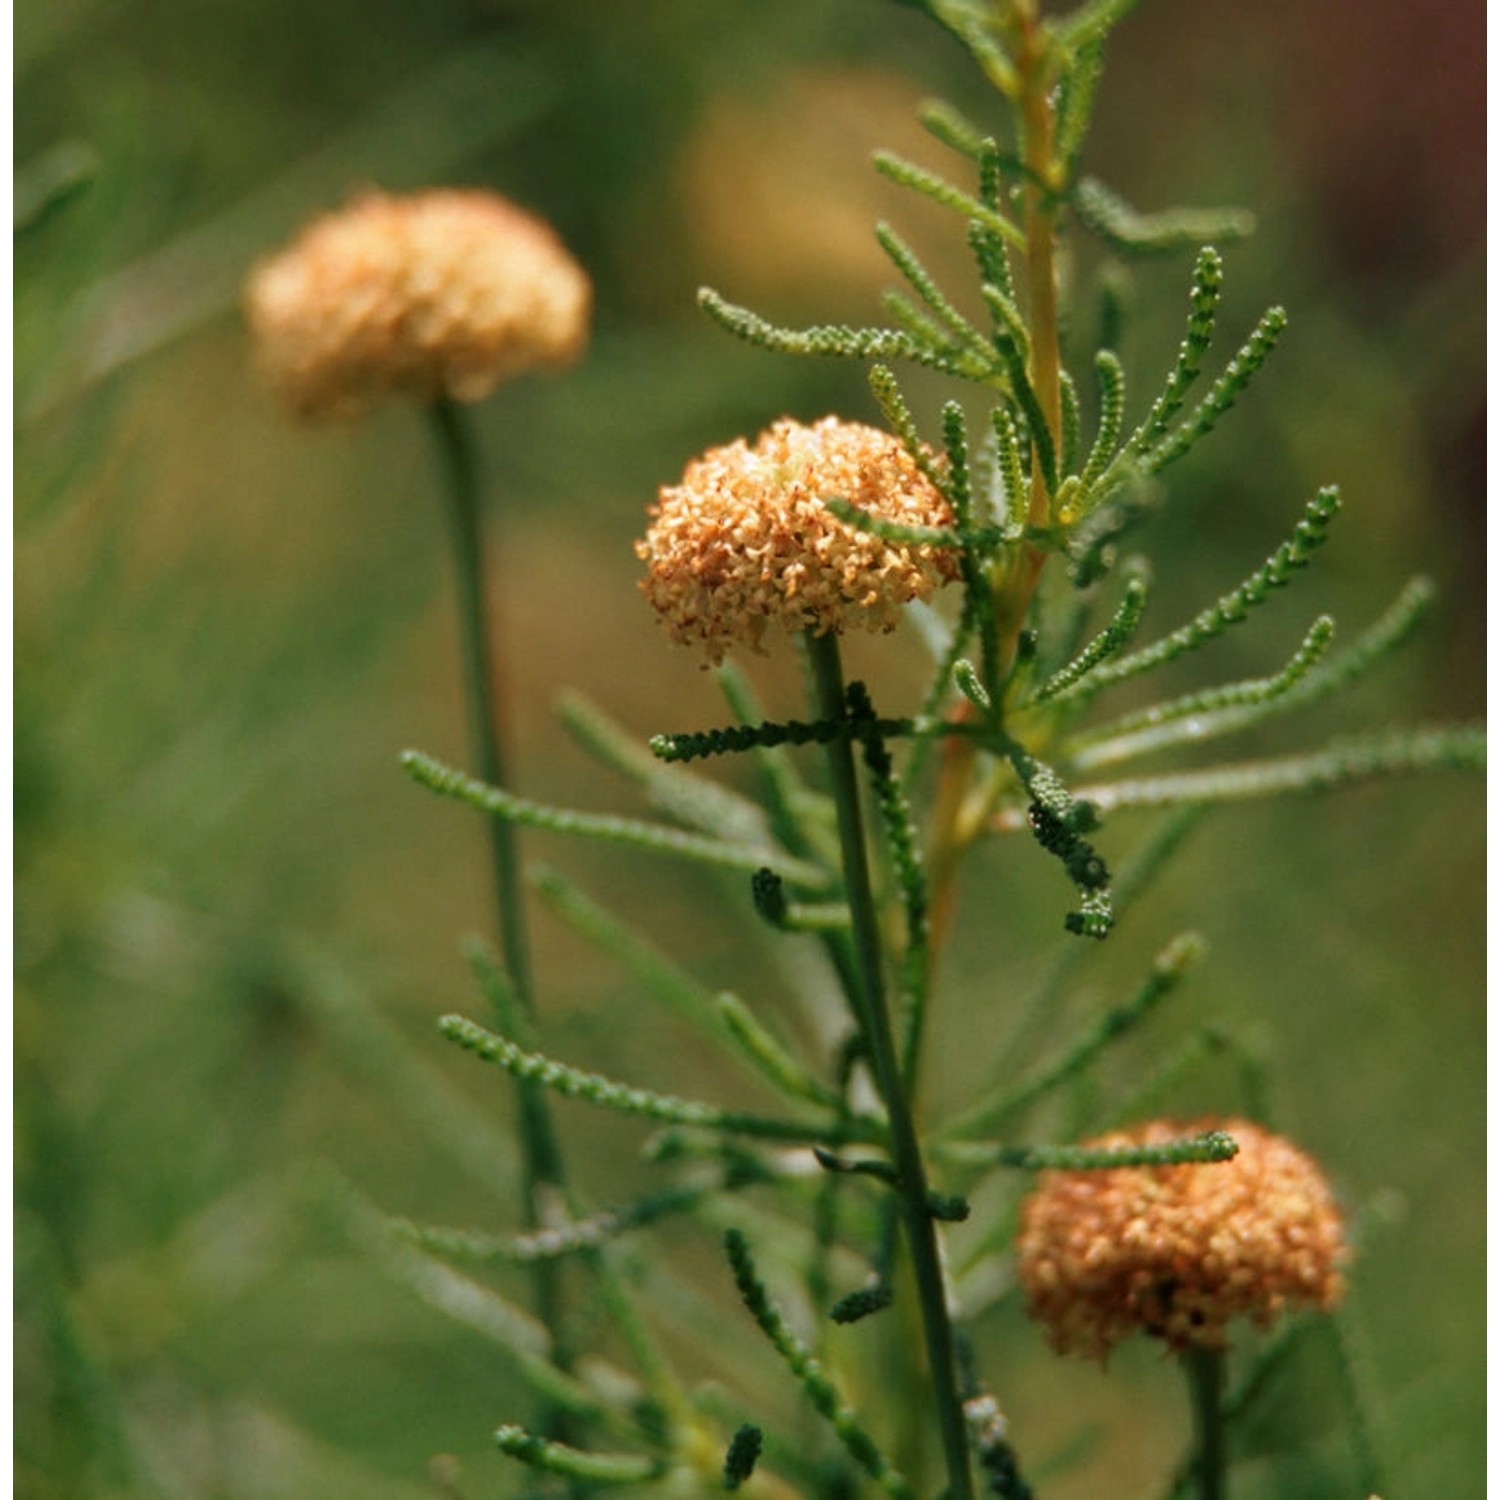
(441, 293)
(1179, 1251)
(746, 540)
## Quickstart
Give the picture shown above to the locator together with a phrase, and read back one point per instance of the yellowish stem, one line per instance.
(955, 820)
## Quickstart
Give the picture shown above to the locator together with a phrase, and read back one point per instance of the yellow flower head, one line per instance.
(746, 541)
(435, 294)
(1179, 1251)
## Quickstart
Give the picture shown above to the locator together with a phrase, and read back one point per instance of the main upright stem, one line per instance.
(1205, 1374)
(542, 1161)
(875, 1023)
(956, 817)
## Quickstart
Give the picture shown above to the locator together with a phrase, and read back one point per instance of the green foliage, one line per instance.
(598, 1470)
(1277, 570)
(809, 1373)
(564, 1239)
(1208, 278)
(1114, 221)
(656, 839)
(1110, 641)
(861, 1303)
(1226, 390)
(934, 187)
(573, 1083)
(1133, 734)
(1385, 753)
(743, 1454)
(832, 339)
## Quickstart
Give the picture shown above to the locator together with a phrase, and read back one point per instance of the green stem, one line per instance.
(873, 1015)
(1205, 1374)
(542, 1162)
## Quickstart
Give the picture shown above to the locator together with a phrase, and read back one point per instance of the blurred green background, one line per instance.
(236, 920)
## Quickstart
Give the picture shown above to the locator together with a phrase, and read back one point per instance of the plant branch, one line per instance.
(875, 1023)
(1205, 1374)
(542, 1169)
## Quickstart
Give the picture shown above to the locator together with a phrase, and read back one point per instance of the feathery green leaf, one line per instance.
(1226, 390)
(655, 838)
(859, 1304)
(770, 1057)
(1072, 424)
(832, 340)
(1385, 753)
(898, 416)
(1090, 23)
(574, 1083)
(526, 1341)
(1132, 233)
(692, 800)
(1076, 89)
(1110, 641)
(1293, 554)
(1058, 821)
(1208, 283)
(908, 174)
(904, 258)
(1011, 472)
(1164, 724)
(957, 486)
(1109, 376)
(946, 124)
(1207, 1146)
(595, 1469)
(558, 1240)
(811, 1376)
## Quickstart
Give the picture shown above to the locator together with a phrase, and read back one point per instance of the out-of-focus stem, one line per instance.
(542, 1162)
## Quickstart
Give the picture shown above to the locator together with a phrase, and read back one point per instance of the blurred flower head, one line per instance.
(746, 541)
(442, 293)
(1179, 1251)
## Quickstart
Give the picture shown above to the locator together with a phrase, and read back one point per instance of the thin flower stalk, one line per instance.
(875, 1024)
(542, 1167)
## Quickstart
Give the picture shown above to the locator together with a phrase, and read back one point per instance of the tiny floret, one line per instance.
(1179, 1251)
(429, 295)
(747, 541)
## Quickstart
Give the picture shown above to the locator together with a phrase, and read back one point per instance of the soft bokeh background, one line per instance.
(236, 921)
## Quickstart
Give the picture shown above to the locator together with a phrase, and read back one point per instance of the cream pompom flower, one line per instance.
(1179, 1251)
(746, 540)
(438, 294)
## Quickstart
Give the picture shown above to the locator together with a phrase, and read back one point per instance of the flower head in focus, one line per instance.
(1179, 1251)
(745, 541)
(438, 294)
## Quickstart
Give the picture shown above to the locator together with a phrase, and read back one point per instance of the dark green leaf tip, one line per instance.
(881, 1171)
(860, 1303)
(769, 895)
(743, 1454)
(948, 1208)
